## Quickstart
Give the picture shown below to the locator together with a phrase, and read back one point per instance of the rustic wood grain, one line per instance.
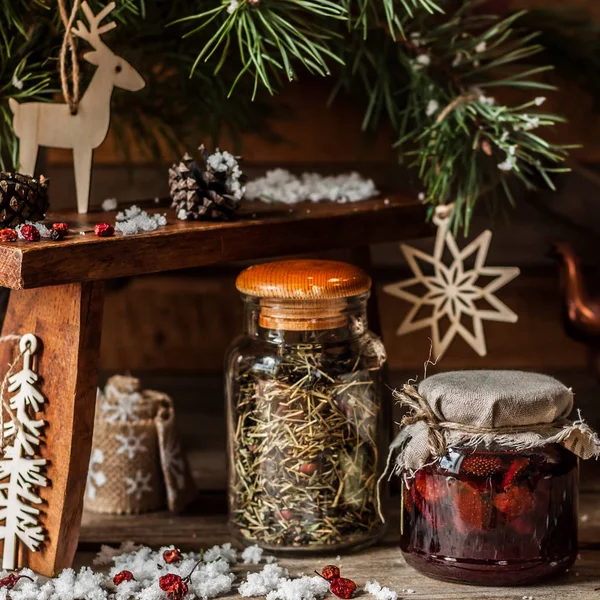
(383, 563)
(262, 230)
(67, 320)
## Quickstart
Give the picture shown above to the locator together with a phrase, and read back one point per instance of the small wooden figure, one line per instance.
(45, 124)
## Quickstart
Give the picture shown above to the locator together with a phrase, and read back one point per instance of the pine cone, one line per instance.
(22, 198)
(207, 191)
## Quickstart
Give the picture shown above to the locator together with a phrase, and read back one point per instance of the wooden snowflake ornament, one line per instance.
(452, 291)
(21, 467)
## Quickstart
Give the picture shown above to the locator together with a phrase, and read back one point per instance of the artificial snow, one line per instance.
(109, 204)
(260, 584)
(432, 107)
(225, 552)
(380, 593)
(133, 220)
(252, 555)
(107, 554)
(279, 185)
(302, 588)
(224, 162)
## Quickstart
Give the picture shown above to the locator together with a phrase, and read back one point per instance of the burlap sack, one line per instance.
(513, 409)
(137, 463)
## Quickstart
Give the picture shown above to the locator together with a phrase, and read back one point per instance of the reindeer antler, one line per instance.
(92, 35)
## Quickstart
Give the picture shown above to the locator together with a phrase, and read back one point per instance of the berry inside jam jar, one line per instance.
(492, 516)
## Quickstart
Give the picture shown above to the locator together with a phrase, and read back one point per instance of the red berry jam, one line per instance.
(492, 517)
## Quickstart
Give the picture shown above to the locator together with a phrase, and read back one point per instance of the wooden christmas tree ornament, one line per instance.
(21, 466)
(81, 126)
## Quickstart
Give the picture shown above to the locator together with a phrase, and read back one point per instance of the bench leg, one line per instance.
(68, 320)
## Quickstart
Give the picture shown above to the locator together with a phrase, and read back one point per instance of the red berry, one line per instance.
(516, 466)
(516, 501)
(122, 576)
(174, 585)
(11, 580)
(287, 514)
(330, 572)
(522, 525)
(473, 509)
(430, 487)
(342, 587)
(30, 233)
(61, 228)
(172, 556)
(104, 230)
(481, 465)
(8, 235)
(309, 468)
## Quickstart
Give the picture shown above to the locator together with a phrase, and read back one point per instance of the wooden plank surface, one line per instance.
(261, 230)
(67, 321)
(383, 563)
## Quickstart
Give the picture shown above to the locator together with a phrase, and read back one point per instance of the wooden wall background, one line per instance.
(185, 321)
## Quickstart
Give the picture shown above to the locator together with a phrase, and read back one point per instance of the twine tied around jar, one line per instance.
(409, 397)
(515, 410)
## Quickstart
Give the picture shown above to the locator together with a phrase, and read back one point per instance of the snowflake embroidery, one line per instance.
(174, 463)
(95, 478)
(138, 485)
(122, 408)
(131, 444)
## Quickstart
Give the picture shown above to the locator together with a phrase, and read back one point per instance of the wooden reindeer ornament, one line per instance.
(53, 125)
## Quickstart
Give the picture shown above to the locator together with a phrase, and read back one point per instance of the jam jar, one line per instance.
(492, 516)
(307, 435)
(489, 465)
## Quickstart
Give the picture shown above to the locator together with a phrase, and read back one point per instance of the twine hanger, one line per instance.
(5, 404)
(71, 98)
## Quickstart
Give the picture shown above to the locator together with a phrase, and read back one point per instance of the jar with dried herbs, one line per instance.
(307, 430)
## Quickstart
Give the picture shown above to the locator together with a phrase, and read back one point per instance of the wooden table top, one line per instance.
(383, 563)
(261, 230)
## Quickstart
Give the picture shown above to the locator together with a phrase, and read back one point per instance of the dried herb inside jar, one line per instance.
(305, 453)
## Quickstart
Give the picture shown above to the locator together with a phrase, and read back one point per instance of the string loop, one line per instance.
(68, 44)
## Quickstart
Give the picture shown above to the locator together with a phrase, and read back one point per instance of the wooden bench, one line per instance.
(58, 295)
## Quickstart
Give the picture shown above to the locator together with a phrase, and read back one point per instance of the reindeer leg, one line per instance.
(28, 146)
(82, 163)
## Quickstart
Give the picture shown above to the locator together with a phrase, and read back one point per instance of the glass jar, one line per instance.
(492, 516)
(307, 441)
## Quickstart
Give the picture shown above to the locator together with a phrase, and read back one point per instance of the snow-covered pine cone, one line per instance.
(22, 198)
(210, 190)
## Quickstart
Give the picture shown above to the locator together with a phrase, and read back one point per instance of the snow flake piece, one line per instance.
(138, 485)
(279, 185)
(225, 552)
(540, 100)
(109, 205)
(252, 555)
(108, 554)
(96, 478)
(267, 580)
(302, 588)
(18, 83)
(380, 593)
(133, 220)
(481, 47)
(131, 444)
(432, 107)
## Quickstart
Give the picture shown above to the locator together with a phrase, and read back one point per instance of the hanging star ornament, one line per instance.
(452, 291)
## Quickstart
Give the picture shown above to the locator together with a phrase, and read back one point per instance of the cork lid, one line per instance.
(303, 280)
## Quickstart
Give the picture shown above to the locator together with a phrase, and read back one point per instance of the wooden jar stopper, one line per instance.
(303, 295)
